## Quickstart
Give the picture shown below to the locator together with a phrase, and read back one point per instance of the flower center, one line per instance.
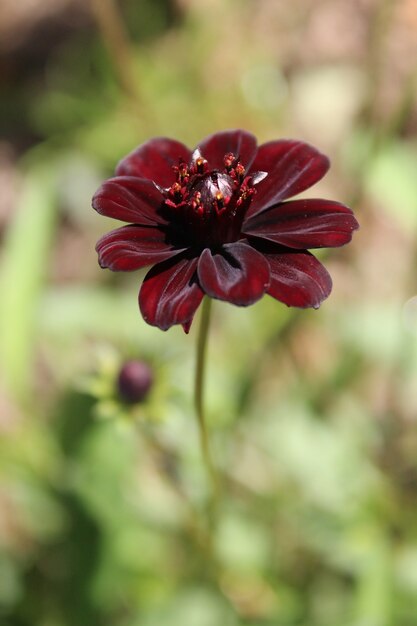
(212, 192)
(206, 206)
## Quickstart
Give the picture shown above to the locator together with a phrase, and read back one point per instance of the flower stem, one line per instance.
(199, 404)
(107, 14)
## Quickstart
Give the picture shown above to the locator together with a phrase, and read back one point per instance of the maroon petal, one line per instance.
(297, 278)
(304, 224)
(154, 160)
(292, 167)
(239, 142)
(170, 294)
(129, 199)
(132, 247)
(238, 274)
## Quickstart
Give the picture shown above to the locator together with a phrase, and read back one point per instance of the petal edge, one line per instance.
(132, 247)
(239, 142)
(154, 160)
(129, 199)
(300, 224)
(293, 166)
(298, 279)
(170, 294)
(238, 274)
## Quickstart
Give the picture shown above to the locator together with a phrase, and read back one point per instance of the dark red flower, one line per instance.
(216, 221)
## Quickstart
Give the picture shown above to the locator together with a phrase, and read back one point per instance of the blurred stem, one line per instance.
(114, 34)
(380, 24)
(405, 106)
(380, 132)
(199, 405)
(165, 457)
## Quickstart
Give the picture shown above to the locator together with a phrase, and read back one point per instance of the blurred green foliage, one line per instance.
(312, 413)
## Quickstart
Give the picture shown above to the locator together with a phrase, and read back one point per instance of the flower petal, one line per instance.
(239, 142)
(170, 294)
(238, 274)
(132, 247)
(292, 167)
(129, 199)
(297, 277)
(154, 160)
(302, 224)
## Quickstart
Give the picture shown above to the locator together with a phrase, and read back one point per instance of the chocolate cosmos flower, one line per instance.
(215, 221)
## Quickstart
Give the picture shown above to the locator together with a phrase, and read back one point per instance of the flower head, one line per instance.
(216, 221)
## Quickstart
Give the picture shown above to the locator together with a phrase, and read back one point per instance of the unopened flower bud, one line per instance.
(134, 381)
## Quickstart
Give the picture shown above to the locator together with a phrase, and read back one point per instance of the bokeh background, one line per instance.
(312, 414)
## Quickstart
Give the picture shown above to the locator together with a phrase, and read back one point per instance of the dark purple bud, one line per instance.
(134, 382)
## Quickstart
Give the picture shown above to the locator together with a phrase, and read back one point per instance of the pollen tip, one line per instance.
(229, 159)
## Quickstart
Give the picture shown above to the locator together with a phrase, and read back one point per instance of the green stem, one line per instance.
(107, 14)
(199, 401)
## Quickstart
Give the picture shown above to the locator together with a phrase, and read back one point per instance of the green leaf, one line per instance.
(374, 591)
(26, 255)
